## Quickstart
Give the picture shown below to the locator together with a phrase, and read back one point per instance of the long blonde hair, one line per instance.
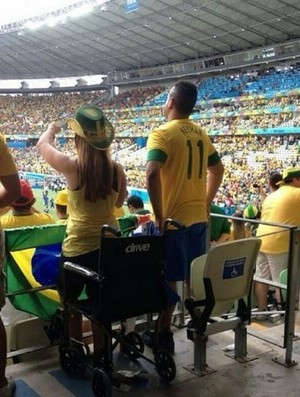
(96, 170)
(238, 226)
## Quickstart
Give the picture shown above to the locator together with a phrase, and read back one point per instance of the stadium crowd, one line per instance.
(248, 162)
(248, 158)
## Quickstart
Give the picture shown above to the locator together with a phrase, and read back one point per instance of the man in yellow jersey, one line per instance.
(183, 174)
(23, 211)
(61, 206)
(9, 191)
(280, 206)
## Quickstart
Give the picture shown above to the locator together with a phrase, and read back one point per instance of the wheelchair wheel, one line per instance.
(72, 361)
(165, 365)
(136, 343)
(101, 383)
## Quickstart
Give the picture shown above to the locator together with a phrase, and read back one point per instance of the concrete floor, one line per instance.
(40, 375)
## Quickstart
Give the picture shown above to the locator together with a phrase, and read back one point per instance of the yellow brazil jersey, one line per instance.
(11, 221)
(7, 164)
(85, 221)
(280, 207)
(185, 151)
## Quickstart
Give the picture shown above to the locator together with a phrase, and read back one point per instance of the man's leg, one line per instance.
(262, 271)
(261, 295)
(187, 245)
(187, 288)
(3, 353)
(164, 337)
(165, 318)
(278, 263)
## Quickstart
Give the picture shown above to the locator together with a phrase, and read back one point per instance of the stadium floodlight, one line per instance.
(61, 10)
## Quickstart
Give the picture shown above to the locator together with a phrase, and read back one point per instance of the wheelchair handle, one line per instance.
(173, 222)
(110, 229)
(82, 271)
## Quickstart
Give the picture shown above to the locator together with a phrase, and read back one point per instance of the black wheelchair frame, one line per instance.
(130, 282)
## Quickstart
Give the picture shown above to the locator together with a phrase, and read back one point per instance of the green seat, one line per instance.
(283, 280)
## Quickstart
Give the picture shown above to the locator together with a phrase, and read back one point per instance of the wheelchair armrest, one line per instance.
(82, 271)
(173, 222)
(110, 229)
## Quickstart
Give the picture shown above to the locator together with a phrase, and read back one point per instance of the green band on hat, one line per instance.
(290, 173)
(250, 212)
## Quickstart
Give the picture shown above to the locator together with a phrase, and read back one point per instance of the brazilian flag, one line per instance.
(30, 252)
(24, 291)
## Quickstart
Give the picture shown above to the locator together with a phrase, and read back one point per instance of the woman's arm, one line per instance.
(61, 162)
(122, 186)
(10, 190)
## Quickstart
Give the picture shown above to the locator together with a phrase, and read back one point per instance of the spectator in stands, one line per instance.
(183, 174)
(96, 185)
(278, 207)
(273, 185)
(238, 229)
(9, 192)
(61, 206)
(219, 227)
(23, 211)
(136, 205)
(251, 212)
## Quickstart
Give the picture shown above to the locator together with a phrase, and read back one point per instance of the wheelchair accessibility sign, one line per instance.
(234, 268)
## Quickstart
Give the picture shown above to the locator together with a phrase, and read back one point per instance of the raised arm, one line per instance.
(61, 162)
(10, 189)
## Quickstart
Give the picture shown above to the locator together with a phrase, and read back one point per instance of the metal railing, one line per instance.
(292, 287)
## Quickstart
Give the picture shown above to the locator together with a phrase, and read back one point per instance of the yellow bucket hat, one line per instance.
(62, 197)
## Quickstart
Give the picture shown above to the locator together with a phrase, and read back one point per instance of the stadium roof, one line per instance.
(158, 32)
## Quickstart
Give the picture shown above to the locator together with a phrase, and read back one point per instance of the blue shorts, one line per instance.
(172, 296)
(181, 247)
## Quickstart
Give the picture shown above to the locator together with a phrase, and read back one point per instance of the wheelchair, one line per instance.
(129, 282)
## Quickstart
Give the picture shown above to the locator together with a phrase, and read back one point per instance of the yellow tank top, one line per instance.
(85, 221)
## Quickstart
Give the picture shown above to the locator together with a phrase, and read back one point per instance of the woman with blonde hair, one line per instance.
(96, 185)
(238, 229)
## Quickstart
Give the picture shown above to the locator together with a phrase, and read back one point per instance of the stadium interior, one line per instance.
(244, 57)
